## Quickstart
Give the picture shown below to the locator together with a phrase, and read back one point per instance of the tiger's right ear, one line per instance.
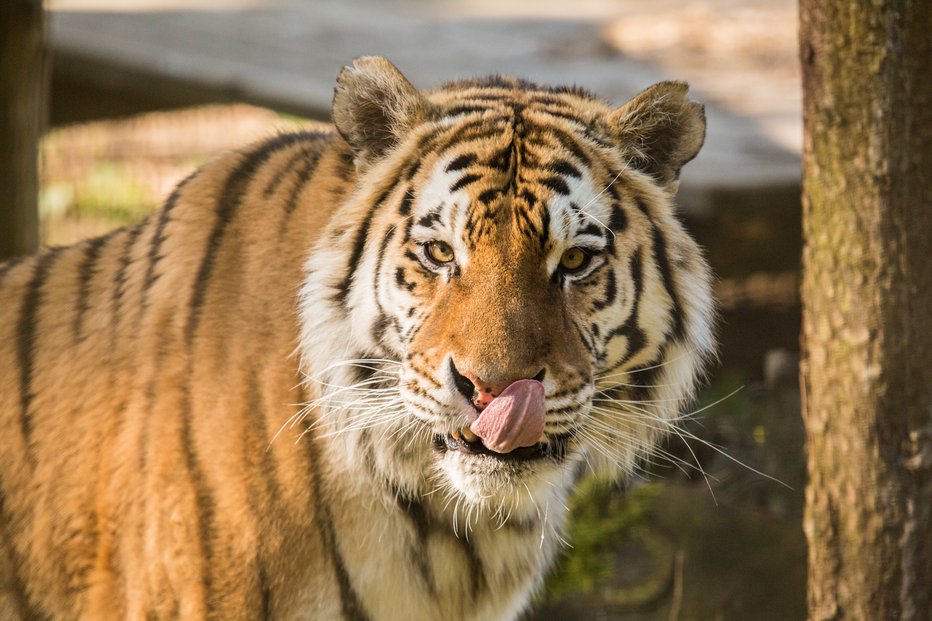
(374, 105)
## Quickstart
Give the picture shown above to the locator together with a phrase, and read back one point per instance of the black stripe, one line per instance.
(587, 341)
(284, 168)
(428, 220)
(566, 114)
(8, 265)
(557, 184)
(350, 604)
(477, 580)
(421, 392)
(642, 382)
(530, 198)
(462, 133)
(405, 208)
(412, 169)
(359, 244)
(119, 279)
(592, 228)
(570, 144)
(489, 96)
(565, 169)
(464, 109)
(617, 221)
(464, 181)
(346, 167)
(461, 162)
(591, 134)
(525, 223)
(531, 160)
(378, 328)
(164, 336)
(611, 292)
(26, 337)
(630, 329)
(234, 190)
(488, 196)
(666, 273)
(86, 272)
(401, 281)
(544, 227)
(255, 418)
(548, 100)
(264, 489)
(422, 523)
(304, 175)
(265, 594)
(158, 238)
(206, 510)
(501, 161)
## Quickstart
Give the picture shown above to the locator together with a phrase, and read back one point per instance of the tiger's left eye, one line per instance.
(439, 252)
(574, 259)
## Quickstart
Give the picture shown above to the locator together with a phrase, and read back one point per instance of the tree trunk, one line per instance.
(867, 295)
(23, 110)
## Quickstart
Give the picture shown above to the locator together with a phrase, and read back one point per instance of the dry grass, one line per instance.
(101, 175)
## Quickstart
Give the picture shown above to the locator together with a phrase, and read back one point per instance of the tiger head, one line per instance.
(507, 297)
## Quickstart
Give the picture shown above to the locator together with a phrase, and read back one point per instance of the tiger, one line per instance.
(354, 372)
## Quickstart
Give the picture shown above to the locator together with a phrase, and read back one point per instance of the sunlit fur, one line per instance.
(236, 408)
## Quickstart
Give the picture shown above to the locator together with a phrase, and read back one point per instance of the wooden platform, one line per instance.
(286, 55)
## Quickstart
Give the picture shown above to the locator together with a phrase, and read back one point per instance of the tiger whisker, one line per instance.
(597, 196)
(609, 433)
(669, 424)
(613, 372)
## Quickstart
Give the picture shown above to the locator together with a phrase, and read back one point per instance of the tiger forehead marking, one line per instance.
(493, 294)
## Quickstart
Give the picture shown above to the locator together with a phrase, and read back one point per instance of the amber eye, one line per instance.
(574, 260)
(439, 252)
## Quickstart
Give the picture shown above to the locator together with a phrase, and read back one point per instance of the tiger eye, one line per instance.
(439, 252)
(573, 259)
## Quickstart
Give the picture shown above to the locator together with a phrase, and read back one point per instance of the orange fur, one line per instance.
(133, 416)
(158, 460)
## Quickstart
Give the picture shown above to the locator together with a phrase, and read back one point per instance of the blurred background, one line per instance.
(143, 91)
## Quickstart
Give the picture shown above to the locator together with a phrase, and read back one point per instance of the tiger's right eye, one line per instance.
(439, 252)
(574, 259)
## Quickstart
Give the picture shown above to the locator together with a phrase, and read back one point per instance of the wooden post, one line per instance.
(23, 113)
(867, 316)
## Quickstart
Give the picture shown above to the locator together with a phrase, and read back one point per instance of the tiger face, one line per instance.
(520, 300)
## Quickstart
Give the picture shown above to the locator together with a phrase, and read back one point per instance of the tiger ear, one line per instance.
(663, 129)
(374, 105)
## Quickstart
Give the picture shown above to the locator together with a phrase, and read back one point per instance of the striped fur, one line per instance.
(237, 408)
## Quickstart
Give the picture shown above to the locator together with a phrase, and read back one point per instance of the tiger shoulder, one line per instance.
(353, 374)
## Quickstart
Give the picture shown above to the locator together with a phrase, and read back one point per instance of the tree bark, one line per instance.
(867, 317)
(23, 113)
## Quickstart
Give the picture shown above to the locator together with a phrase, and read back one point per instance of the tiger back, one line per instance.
(353, 374)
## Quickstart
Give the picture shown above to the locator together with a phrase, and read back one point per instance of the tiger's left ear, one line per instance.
(374, 105)
(662, 128)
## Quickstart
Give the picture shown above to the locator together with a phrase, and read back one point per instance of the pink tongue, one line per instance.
(513, 419)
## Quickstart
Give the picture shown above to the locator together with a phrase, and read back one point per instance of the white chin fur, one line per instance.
(517, 487)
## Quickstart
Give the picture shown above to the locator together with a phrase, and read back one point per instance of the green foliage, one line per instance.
(602, 519)
(112, 193)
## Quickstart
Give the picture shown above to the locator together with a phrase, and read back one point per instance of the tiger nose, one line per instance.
(480, 392)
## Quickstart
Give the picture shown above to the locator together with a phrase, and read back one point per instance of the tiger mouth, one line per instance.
(555, 448)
